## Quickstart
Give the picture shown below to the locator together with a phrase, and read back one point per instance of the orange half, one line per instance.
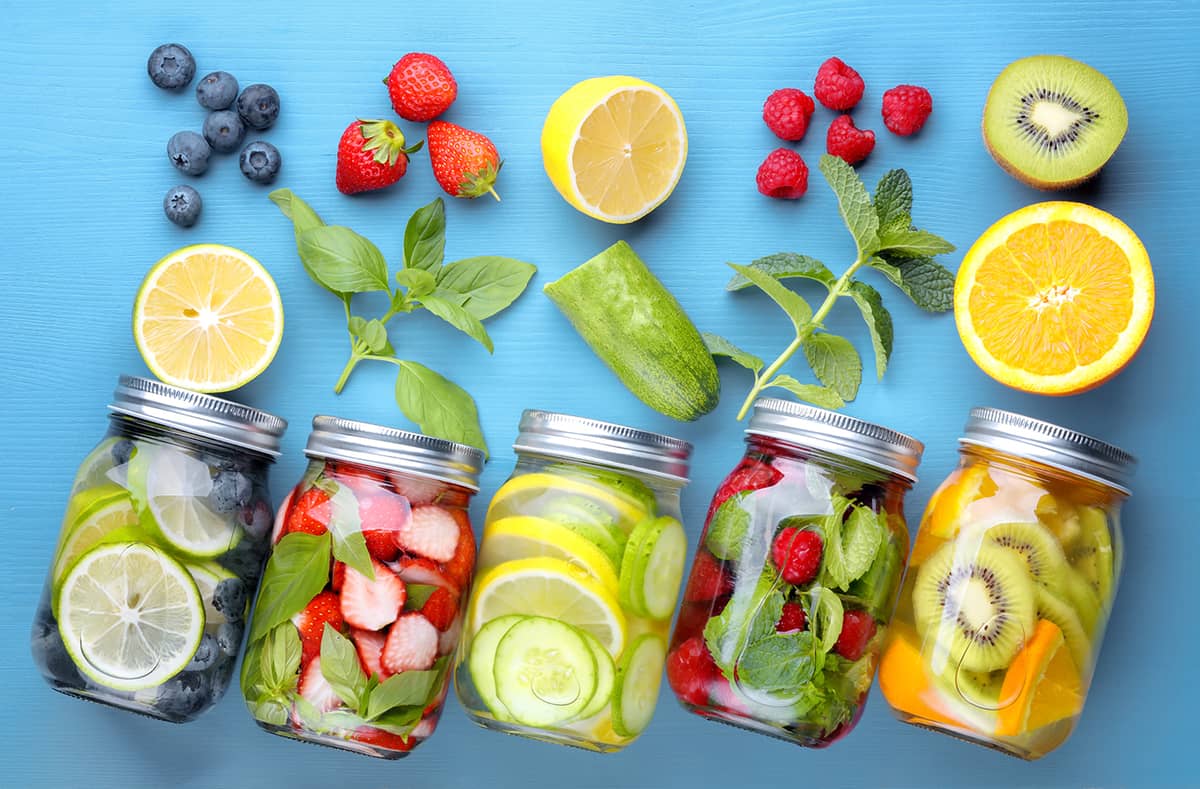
(1055, 298)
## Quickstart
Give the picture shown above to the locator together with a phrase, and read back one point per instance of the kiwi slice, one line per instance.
(979, 688)
(1083, 599)
(1053, 122)
(1037, 546)
(1092, 555)
(1060, 518)
(977, 610)
(1061, 613)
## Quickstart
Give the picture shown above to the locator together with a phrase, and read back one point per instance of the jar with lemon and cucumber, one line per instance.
(159, 554)
(578, 575)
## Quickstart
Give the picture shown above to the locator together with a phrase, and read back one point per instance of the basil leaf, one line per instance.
(810, 393)
(835, 363)
(459, 318)
(341, 669)
(484, 285)
(408, 688)
(345, 524)
(727, 531)
(252, 682)
(824, 613)
(418, 281)
(440, 407)
(375, 335)
(893, 201)
(356, 325)
(796, 308)
(400, 720)
(913, 243)
(861, 535)
(272, 711)
(719, 346)
(279, 660)
(301, 213)
(780, 662)
(341, 260)
(425, 237)
(418, 595)
(879, 322)
(296, 572)
(928, 283)
(854, 204)
(785, 265)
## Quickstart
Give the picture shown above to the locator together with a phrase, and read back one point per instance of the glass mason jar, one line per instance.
(360, 602)
(796, 575)
(579, 572)
(159, 553)
(1011, 582)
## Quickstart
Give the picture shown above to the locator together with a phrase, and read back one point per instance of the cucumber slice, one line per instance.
(638, 678)
(545, 672)
(653, 567)
(633, 564)
(482, 661)
(606, 677)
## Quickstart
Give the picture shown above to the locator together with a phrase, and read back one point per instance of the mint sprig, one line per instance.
(463, 294)
(885, 240)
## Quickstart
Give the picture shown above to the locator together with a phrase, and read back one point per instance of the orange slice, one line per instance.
(905, 682)
(1044, 681)
(1055, 298)
(944, 514)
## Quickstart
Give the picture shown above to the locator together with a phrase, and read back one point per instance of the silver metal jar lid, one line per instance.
(568, 437)
(199, 414)
(1050, 444)
(376, 445)
(839, 434)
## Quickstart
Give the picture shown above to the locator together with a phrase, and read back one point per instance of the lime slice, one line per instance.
(97, 522)
(86, 500)
(522, 537)
(130, 616)
(207, 576)
(550, 588)
(177, 488)
(94, 468)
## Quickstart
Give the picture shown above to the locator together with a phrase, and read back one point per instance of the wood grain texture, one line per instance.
(82, 153)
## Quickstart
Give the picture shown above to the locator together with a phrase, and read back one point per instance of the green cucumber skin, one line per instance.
(637, 328)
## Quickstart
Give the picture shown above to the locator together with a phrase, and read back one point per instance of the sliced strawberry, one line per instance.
(448, 640)
(363, 480)
(315, 688)
(277, 531)
(370, 651)
(422, 571)
(412, 644)
(310, 513)
(338, 576)
(425, 728)
(431, 532)
(461, 566)
(382, 515)
(324, 609)
(384, 739)
(418, 490)
(372, 605)
(440, 609)
(708, 580)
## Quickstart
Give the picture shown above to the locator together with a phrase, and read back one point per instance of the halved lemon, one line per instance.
(1055, 298)
(524, 537)
(614, 147)
(208, 318)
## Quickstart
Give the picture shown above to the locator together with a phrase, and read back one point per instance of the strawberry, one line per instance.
(448, 640)
(431, 532)
(413, 570)
(858, 628)
(708, 579)
(465, 162)
(316, 689)
(321, 610)
(461, 566)
(372, 605)
(382, 515)
(421, 87)
(383, 739)
(412, 644)
(281, 516)
(440, 609)
(310, 513)
(371, 155)
(416, 489)
(690, 670)
(363, 480)
(370, 651)
(338, 576)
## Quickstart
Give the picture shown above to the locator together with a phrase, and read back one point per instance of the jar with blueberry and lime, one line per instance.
(579, 571)
(796, 574)
(159, 553)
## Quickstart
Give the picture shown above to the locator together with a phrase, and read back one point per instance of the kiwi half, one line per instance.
(977, 610)
(1053, 122)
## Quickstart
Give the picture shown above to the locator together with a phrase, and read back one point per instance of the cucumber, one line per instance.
(483, 658)
(633, 568)
(653, 567)
(606, 677)
(545, 672)
(591, 521)
(637, 328)
(638, 678)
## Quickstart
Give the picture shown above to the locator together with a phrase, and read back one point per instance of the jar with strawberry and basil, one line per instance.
(361, 601)
(796, 575)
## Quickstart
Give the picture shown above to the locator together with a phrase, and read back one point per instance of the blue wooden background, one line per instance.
(82, 139)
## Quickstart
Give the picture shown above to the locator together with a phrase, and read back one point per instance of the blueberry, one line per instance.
(245, 560)
(189, 152)
(182, 205)
(224, 130)
(206, 654)
(230, 491)
(122, 451)
(230, 599)
(217, 91)
(260, 162)
(184, 695)
(259, 106)
(171, 66)
(50, 655)
(257, 519)
(229, 637)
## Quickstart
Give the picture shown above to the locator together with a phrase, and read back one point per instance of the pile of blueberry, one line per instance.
(172, 67)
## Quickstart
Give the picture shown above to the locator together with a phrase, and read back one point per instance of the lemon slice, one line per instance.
(130, 616)
(177, 487)
(530, 493)
(208, 318)
(554, 589)
(522, 537)
(614, 147)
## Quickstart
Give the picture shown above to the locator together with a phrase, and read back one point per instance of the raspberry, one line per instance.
(858, 627)
(750, 475)
(787, 112)
(783, 174)
(797, 554)
(791, 619)
(690, 670)
(844, 140)
(838, 86)
(708, 579)
(905, 108)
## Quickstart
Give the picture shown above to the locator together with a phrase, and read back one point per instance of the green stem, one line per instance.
(355, 358)
(835, 292)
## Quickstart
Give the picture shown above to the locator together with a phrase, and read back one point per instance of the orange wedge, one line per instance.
(905, 683)
(1055, 298)
(1044, 682)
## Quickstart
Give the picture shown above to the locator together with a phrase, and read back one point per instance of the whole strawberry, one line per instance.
(465, 162)
(421, 87)
(371, 155)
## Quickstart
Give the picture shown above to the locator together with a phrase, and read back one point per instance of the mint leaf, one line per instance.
(796, 308)
(927, 282)
(861, 535)
(719, 346)
(440, 407)
(877, 587)
(301, 213)
(824, 611)
(425, 237)
(833, 561)
(809, 393)
(342, 261)
(785, 265)
(893, 201)
(726, 533)
(459, 318)
(779, 662)
(408, 688)
(296, 572)
(417, 282)
(279, 660)
(345, 525)
(913, 243)
(341, 668)
(417, 595)
(879, 322)
(750, 615)
(853, 202)
(484, 285)
(835, 363)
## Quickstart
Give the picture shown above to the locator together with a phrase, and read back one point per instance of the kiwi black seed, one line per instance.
(977, 610)
(1037, 546)
(1053, 122)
